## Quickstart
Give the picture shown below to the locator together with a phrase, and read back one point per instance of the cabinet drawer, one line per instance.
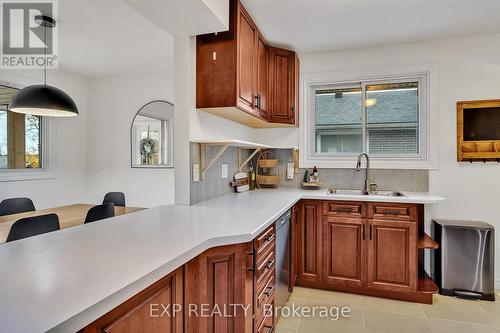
(266, 240)
(265, 319)
(392, 211)
(265, 293)
(264, 267)
(344, 209)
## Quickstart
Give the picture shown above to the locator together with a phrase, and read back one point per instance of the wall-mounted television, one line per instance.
(478, 130)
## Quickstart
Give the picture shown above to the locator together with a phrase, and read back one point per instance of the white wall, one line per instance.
(69, 146)
(468, 68)
(113, 103)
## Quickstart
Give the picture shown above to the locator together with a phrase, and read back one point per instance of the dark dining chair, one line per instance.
(16, 205)
(100, 212)
(32, 226)
(118, 198)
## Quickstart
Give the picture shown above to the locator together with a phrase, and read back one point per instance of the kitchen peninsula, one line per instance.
(65, 281)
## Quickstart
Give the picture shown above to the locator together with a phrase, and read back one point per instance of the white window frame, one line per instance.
(426, 75)
(48, 160)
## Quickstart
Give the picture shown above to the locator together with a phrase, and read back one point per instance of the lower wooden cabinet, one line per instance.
(220, 279)
(392, 255)
(344, 254)
(365, 248)
(309, 236)
(145, 312)
(336, 246)
(264, 280)
(226, 289)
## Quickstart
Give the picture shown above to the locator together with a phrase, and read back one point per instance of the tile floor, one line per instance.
(371, 314)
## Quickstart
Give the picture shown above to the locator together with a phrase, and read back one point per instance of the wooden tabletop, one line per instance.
(69, 216)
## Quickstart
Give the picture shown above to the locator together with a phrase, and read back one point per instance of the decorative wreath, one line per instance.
(147, 148)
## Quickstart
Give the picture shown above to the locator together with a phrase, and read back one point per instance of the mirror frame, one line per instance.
(171, 143)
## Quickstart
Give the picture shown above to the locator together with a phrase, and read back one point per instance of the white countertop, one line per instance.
(64, 280)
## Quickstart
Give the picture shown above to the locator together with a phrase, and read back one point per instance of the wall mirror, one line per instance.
(152, 136)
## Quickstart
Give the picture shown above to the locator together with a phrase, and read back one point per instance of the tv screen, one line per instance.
(482, 124)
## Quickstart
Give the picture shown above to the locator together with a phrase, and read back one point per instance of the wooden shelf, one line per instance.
(240, 144)
(426, 242)
(232, 143)
(426, 284)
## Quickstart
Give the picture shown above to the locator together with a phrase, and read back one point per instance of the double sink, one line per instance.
(332, 191)
(366, 184)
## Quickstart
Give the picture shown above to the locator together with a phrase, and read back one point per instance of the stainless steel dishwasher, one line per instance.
(282, 259)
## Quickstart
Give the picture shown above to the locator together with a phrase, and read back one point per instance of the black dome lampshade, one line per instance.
(42, 99)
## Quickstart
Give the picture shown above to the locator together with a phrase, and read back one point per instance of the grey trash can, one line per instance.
(464, 264)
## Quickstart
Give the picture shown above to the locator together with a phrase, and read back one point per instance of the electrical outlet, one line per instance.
(196, 172)
(224, 171)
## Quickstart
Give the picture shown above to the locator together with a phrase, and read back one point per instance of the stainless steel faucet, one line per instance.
(366, 187)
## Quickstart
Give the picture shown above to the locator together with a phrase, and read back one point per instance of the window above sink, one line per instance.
(386, 113)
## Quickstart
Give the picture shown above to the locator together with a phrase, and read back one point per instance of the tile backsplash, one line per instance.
(215, 186)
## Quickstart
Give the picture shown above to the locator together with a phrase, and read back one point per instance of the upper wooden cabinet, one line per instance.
(284, 86)
(262, 95)
(247, 62)
(240, 77)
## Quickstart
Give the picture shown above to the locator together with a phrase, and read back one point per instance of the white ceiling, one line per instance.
(107, 37)
(185, 17)
(327, 25)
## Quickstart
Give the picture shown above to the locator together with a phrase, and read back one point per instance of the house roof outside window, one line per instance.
(393, 108)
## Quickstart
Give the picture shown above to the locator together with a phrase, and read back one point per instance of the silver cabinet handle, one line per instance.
(270, 264)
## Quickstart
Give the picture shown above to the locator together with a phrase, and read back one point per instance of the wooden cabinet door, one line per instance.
(262, 76)
(284, 86)
(309, 242)
(392, 255)
(145, 312)
(217, 279)
(247, 37)
(344, 258)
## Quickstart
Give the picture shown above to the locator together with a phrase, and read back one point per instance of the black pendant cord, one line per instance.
(45, 59)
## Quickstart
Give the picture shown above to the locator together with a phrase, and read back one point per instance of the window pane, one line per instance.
(3, 139)
(32, 134)
(339, 120)
(149, 143)
(20, 136)
(392, 118)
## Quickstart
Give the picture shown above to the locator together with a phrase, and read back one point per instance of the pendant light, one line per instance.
(42, 99)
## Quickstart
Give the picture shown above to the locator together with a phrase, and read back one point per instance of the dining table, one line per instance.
(69, 216)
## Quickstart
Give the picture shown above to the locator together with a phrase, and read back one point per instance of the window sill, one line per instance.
(25, 175)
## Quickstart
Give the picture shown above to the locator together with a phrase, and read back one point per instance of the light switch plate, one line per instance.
(224, 171)
(196, 172)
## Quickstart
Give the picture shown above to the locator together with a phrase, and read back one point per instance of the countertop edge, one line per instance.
(87, 316)
(97, 310)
